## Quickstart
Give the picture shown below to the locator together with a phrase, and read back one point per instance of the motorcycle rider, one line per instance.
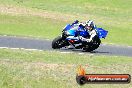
(88, 26)
(91, 28)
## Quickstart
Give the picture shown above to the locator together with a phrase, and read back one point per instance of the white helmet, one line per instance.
(90, 23)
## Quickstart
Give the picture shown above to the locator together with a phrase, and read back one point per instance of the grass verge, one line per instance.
(20, 68)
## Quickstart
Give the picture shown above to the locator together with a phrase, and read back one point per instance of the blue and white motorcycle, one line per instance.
(70, 30)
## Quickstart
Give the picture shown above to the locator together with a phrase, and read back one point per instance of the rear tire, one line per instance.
(96, 42)
(56, 42)
(92, 45)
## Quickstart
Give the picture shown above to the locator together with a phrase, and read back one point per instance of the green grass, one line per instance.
(38, 69)
(114, 16)
(29, 26)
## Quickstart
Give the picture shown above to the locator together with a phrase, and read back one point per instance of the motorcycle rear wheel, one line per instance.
(92, 45)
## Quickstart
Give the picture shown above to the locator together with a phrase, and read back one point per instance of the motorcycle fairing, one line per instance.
(101, 32)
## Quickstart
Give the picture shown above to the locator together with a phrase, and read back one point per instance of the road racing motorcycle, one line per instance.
(70, 30)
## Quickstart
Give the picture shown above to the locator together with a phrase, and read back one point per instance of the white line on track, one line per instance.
(20, 49)
(40, 50)
(80, 53)
(66, 52)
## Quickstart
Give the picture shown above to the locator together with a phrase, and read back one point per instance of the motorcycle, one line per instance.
(70, 30)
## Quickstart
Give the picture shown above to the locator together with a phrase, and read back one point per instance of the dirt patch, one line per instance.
(13, 10)
(36, 65)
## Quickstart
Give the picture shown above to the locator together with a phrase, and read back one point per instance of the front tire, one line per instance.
(56, 43)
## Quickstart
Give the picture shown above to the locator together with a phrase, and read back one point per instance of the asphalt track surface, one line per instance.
(40, 44)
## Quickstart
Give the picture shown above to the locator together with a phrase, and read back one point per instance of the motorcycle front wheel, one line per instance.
(56, 43)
